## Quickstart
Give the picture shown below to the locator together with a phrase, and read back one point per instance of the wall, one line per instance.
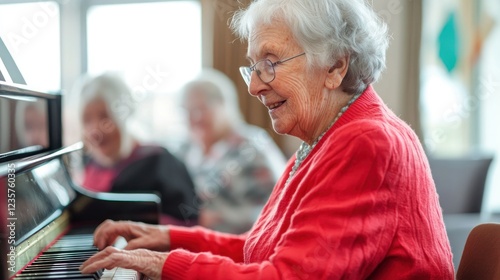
(391, 85)
(398, 84)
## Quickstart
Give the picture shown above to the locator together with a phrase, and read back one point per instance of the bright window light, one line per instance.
(32, 35)
(156, 47)
(157, 40)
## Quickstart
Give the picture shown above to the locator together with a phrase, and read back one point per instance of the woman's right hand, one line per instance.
(138, 235)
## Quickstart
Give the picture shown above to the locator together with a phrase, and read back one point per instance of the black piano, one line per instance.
(47, 220)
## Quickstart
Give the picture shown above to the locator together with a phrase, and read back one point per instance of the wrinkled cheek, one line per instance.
(309, 111)
(276, 127)
(281, 124)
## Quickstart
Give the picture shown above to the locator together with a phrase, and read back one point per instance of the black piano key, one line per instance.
(44, 268)
(75, 249)
(67, 255)
(63, 259)
(55, 270)
(41, 265)
(54, 274)
(67, 276)
(72, 253)
(67, 260)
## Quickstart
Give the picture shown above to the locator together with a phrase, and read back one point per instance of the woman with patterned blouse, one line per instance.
(234, 165)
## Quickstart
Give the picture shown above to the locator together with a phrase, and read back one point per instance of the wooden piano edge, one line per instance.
(29, 249)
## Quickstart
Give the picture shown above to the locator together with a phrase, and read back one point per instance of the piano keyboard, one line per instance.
(121, 273)
(62, 260)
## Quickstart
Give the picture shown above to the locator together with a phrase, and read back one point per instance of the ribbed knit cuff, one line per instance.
(177, 265)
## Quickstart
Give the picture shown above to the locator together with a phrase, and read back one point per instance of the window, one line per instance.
(32, 35)
(460, 94)
(156, 47)
(489, 96)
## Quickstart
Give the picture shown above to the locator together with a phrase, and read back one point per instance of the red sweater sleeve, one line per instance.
(342, 226)
(199, 239)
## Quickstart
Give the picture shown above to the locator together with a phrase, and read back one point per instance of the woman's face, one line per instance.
(101, 134)
(207, 119)
(294, 98)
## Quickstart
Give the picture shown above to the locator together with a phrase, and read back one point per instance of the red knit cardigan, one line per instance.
(361, 206)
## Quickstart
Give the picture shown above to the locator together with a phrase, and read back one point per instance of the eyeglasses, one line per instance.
(264, 69)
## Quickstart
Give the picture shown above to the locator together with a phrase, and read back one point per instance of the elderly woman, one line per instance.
(117, 162)
(234, 165)
(356, 202)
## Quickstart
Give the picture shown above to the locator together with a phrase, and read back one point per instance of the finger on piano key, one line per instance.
(121, 273)
(120, 243)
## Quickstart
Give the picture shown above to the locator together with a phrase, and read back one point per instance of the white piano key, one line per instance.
(121, 273)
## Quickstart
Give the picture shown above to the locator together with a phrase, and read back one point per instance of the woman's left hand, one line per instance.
(149, 263)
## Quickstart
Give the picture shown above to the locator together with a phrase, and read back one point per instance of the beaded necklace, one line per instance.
(305, 149)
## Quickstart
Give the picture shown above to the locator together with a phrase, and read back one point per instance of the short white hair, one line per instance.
(113, 91)
(116, 94)
(216, 86)
(326, 30)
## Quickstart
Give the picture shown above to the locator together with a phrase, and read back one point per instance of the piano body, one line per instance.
(47, 220)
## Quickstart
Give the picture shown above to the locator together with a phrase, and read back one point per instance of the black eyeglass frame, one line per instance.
(246, 71)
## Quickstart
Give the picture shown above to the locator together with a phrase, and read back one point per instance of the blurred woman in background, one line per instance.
(117, 162)
(234, 165)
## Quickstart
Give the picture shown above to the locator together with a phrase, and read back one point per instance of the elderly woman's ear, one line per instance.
(336, 73)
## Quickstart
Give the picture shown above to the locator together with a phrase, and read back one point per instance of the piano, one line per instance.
(47, 220)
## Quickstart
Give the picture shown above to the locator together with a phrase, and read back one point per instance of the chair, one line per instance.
(460, 182)
(481, 255)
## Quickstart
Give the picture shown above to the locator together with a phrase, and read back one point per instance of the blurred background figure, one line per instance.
(234, 165)
(116, 162)
(31, 124)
